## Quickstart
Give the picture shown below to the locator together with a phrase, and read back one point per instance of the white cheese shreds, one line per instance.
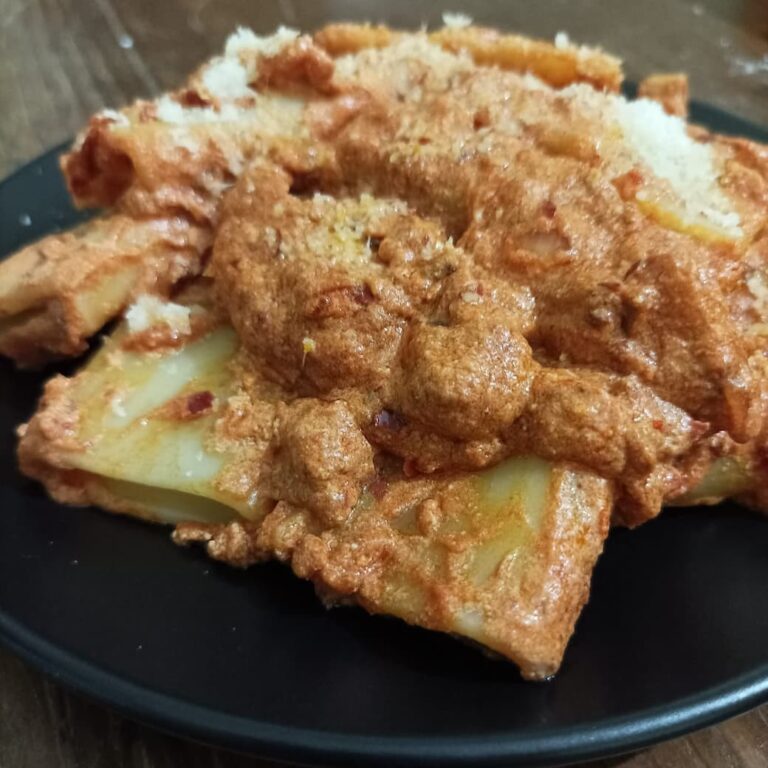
(530, 82)
(562, 40)
(116, 117)
(759, 290)
(456, 20)
(245, 39)
(170, 111)
(412, 48)
(663, 144)
(226, 78)
(148, 311)
(682, 175)
(270, 114)
(185, 139)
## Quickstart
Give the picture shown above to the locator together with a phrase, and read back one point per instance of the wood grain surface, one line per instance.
(61, 60)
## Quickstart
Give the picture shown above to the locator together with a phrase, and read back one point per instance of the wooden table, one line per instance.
(61, 60)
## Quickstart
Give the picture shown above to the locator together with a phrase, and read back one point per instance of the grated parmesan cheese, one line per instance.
(369, 62)
(244, 39)
(684, 178)
(271, 114)
(226, 78)
(148, 311)
(663, 144)
(344, 235)
(118, 118)
(759, 290)
(456, 20)
(185, 139)
(562, 40)
(170, 111)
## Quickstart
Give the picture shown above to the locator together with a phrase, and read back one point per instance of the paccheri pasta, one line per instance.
(417, 313)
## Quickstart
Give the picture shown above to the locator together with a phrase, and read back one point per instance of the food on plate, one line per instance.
(59, 291)
(185, 436)
(558, 65)
(173, 157)
(417, 313)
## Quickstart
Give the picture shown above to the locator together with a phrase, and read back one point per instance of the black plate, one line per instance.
(674, 638)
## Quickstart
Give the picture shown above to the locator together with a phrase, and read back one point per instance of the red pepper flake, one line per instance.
(481, 118)
(378, 488)
(362, 294)
(628, 184)
(762, 460)
(658, 424)
(199, 402)
(549, 209)
(187, 407)
(389, 420)
(191, 98)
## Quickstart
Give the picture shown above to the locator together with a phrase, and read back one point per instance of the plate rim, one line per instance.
(612, 736)
(550, 746)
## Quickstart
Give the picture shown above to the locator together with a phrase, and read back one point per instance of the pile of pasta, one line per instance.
(419, 313)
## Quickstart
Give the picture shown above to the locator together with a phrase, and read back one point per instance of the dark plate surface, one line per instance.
(674, 638)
